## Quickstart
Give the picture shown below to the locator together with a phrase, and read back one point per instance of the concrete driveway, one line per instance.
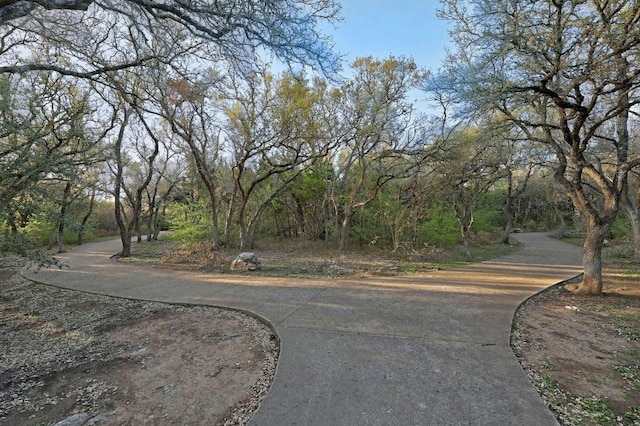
(430, 349)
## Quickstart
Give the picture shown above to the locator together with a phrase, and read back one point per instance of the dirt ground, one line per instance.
(91, 359)
(98, 360)
(583, 352)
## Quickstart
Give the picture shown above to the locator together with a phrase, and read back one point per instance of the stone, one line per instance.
(246, 261)
(75, 420)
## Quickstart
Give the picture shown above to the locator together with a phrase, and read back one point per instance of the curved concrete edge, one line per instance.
(544, 290)
(251, 314)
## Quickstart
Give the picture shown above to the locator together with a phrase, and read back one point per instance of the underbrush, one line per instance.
(314, 259)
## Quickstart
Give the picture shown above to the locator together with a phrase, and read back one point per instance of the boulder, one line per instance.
(246, 261)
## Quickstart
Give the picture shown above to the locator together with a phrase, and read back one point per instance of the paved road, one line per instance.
(418, 350)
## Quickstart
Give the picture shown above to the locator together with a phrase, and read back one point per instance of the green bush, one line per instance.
(441, 229)
(189, 222)
(621, 228)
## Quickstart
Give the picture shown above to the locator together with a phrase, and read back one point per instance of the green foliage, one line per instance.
(628, 325)
(441, 228)
(189, 222)
(621, 228)
(596, 409)
(631, 374)
(15, 243)
(486, 220)
(104, 218)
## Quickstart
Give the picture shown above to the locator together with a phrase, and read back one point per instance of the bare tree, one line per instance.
(88, 38)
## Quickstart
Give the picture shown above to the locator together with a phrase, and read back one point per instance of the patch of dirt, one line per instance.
(108, 361)
(583, 352)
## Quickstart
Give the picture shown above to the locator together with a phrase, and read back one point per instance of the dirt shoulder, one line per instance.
(94, 359)
(583, 352)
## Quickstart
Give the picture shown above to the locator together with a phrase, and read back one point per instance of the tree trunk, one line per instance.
(156, 225)
(125, 237)
(244, 240)
(138, 230)
(63, 213)
(465, 231)
(150, 226)
(125, 234)
(52, 238)
(633, 213)
(344, 228)
(86, 217)
(464, 214)
(508, 227)
(592, 261)
(215, 232)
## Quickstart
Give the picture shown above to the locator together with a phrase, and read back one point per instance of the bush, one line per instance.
(189, 222)
(441, 229)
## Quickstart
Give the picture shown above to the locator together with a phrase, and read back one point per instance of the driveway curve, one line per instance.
(430, 349)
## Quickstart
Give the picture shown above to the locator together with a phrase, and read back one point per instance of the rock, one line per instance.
(246, 261)
(75, 420)
(84, 419)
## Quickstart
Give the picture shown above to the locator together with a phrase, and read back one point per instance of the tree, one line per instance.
(104, 44)
(87, 37)
(519, 159)
(276, 129)
(189, 111)
(566, 73)
(50, 130)
(468, 165)
(375, 119)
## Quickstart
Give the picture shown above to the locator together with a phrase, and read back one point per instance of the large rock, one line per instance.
(246, 261)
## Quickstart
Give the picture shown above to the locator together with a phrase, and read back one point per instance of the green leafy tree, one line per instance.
(49, 132)
(468, 165)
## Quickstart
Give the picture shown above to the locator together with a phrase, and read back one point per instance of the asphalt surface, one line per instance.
(431, 349)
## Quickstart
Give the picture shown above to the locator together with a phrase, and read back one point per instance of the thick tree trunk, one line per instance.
(466, 239)
(592, 261)
(508, 228)
(125, 237)
(242, 231)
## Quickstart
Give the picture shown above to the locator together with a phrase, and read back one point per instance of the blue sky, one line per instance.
(380, 28)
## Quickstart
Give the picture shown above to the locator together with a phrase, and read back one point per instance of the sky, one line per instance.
(380, 28)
